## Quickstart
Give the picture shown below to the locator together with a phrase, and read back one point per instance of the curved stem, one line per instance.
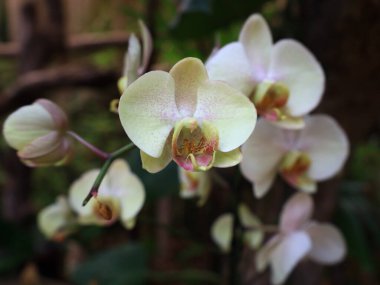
(236, 243)
(102, 154)
(103, 171)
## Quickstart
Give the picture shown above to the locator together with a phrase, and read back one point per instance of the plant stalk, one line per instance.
(103, 171)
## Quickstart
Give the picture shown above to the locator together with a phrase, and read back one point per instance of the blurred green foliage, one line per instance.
(122, 265)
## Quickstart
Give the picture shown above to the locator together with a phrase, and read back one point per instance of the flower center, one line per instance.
(294, 167)
(194, 146)
(105, 209)
(270, 99)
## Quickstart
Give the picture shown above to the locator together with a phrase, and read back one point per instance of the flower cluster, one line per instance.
(203, 116)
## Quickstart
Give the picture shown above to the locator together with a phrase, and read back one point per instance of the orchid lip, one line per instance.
(193, 145)
(294, 167)
(270, 99)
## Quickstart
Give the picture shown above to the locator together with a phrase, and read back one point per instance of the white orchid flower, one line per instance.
(284, 80)
(302, 157)
(299, 238)
(121, 195)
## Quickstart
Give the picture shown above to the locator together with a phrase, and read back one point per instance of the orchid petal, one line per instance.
(77, 192)
(56, 156)
(229, 111)
(127, 188)
(132, 60)
(295, 67)
(261, 187)
(287, 254)
(329, 246)
(262, 154)
(264, 254)
(153, 164)
(228, 159)
(41, 146)
(188, 74)
(56, 219)
(27, 124)
(221, 231)
(230, 64)
(58, 116)
(148, 111)
(147, 44)
(257, 41)
(253, 237)
(326, 144)
(296, 212)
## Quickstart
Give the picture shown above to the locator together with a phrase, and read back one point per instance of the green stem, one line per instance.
(236, 243)
(103, 171)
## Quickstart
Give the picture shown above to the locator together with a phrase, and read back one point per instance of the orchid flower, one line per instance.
(194, 184)
(284, 80)
(136, 58)
(57, 220)
(301, 157)
(39, 134)
(121, 196)
(184, 116)
(299, 238)
(222, 229)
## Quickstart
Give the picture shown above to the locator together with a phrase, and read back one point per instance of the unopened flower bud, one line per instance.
(38, 133)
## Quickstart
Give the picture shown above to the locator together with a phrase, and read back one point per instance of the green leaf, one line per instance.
(124, 265)
(158, 185)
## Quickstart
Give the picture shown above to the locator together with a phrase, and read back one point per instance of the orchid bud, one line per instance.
(38, 133)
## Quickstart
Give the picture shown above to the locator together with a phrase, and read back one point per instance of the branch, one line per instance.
(82, 42)
(30, 86)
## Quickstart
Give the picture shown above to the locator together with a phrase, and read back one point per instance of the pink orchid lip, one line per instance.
(192, 147)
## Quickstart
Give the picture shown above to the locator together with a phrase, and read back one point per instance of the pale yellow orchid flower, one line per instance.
(121, 195)
(185, 117)
(299, 238)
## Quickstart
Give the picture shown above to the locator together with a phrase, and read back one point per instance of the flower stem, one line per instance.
(102, 154)
(236, 243)
(103, 171)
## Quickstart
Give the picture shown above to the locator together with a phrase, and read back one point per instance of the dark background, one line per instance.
(72, 53)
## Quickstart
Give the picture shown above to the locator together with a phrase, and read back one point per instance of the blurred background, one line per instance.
(71, 51)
